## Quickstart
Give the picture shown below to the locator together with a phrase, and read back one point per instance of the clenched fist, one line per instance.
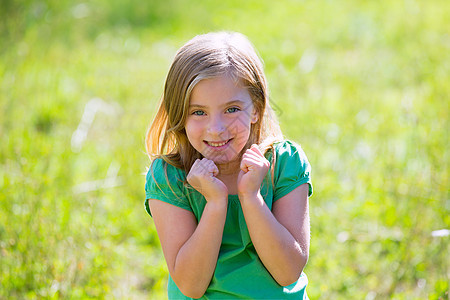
(254, 167)
(202, 177)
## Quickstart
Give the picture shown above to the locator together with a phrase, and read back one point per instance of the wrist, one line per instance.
(250, 197)
(219, 203)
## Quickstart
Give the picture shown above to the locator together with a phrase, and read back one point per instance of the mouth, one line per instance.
(218, 144)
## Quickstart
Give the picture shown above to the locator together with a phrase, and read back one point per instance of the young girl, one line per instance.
(229, 196)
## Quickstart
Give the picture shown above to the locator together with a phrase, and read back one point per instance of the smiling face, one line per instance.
(219, 119)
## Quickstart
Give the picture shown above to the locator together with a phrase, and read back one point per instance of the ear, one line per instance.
(255, 116)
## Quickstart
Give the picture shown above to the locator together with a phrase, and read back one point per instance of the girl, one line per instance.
(229, 196)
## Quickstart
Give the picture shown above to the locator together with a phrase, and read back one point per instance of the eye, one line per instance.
(198, 113)
(233, 109)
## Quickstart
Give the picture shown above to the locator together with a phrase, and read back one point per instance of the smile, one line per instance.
(217, 144)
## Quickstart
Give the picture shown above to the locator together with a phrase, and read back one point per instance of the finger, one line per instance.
(195, 165)
(252, 155)
(215, 169)
(203, 167)
(204, 162)
(209, 167)
(251, 163)
(243, 166)
(254, 152)
(256, 149)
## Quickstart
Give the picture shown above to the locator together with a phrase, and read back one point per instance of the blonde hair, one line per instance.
(203, 57)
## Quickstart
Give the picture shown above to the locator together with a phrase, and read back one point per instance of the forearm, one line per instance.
(282, 255)
(196, 260)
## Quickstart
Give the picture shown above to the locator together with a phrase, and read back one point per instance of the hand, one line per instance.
(202, 177)
(254, 167)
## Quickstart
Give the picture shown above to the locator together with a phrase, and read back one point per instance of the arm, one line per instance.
(190, 249)
(281, 238)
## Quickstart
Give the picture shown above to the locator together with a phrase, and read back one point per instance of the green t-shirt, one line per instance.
(239, 272)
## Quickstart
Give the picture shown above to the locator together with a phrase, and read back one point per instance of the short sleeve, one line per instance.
(292, 169)
(165, 182)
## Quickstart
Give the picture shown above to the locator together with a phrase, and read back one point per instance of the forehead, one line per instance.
(219, 90)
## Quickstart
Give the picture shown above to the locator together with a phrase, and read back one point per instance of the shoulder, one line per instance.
(289, 150)
(162, 174)
(286, 146)
(160, 167)
(291, 165)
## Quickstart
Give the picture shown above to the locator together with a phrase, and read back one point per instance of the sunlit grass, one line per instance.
(362, 86)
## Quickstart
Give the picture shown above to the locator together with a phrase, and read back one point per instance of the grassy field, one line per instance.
(363, 86)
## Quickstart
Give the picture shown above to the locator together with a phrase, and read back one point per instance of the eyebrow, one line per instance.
(226, 104)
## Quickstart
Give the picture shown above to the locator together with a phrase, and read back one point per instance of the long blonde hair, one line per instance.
(208, 56)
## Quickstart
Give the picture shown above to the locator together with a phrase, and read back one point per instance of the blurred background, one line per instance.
(363, 86)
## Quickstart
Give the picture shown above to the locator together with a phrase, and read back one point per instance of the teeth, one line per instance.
(217, 144)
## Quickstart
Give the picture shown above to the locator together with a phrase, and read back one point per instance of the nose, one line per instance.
(216, 126)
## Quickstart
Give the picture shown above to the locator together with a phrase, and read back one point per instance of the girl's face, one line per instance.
(219, 119)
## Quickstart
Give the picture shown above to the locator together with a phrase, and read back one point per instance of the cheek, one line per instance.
(192, 130)
(195, 132)
(240, 127)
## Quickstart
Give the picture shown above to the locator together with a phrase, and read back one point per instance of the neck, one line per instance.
(229, 169)
(233, 167)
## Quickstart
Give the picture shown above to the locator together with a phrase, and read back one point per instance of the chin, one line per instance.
(222, 158)
(219, 159)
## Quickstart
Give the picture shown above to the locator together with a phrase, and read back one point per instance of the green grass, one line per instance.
(361, 85)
